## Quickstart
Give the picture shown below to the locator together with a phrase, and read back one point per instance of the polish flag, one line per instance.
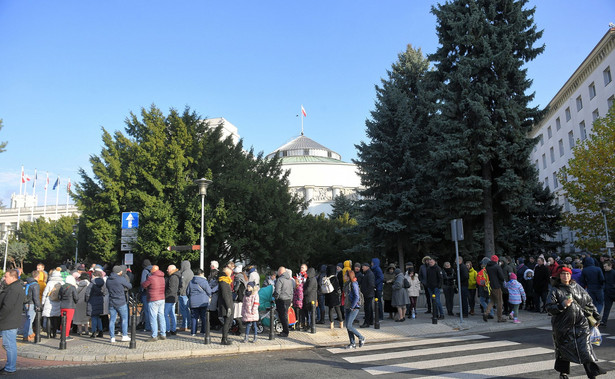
(24, 177)
(303, 111)
(47, 182)
(68, 187)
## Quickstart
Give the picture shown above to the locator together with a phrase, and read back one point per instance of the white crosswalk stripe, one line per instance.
(412, 343)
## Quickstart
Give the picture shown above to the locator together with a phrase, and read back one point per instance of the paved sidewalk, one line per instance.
(87, 350)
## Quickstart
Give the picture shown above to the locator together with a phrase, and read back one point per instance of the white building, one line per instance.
(588, 94)
(317, 173)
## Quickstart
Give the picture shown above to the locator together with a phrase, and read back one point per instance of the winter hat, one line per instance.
(55, 274)
(238, 269)
(340, 265)
(214, 264)
(521, 260)
(494, 258)
(71, 280)
(365, 264)
(252, 284)
(146, 263)
(117, 269)
(484, 261)
(84, 276)
(397, 271)
(512, 276)
(566, 269)
(357, 264)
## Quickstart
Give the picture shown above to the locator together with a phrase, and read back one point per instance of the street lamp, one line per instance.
(75, 231)
(203, 184)
(6, 251)
(603, 207)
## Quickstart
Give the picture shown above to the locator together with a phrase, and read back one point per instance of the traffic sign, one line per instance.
(130, 220)
(610, 245)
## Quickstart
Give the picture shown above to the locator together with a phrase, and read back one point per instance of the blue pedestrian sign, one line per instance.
(130, 220)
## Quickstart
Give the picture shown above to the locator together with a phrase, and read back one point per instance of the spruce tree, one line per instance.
(481, 147)
(391, 164)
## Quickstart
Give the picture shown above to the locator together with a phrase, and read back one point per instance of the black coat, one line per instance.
(434, 278)
(225, 299)
(310, 288)
(68, 296)
(333, 299)
(368, 284)
(496, 275)
(541, 278)
(11, 305)
(570, 326)
(95, 297)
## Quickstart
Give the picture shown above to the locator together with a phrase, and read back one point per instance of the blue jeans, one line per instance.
(146, 318)
(351, 314)
(156, 317)
(96, 324)
(597, 298)
(123, 311)
(198, 313)
(26, 329)
(184, 310)
(169, 316)
(440, 310)
(9, 342)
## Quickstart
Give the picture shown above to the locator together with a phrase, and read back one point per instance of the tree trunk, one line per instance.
(489, 240)
(400, 253)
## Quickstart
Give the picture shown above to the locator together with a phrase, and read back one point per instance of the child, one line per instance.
(529, 289)
(249, 310)
(298, 298)
(516, 295)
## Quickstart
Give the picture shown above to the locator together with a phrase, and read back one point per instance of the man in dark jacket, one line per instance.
(368, 288)
(541, 284)
(225, 302)
(379, 281)
(155, 287)
(592, 279)
(423, 280)
(118, 286)
(496, 282)
(464, 277)
(11, 304)
(310, 295)
(147, 271)
(609, 290)
(31, 304)
(434, 280)
(184, 309)
(171, 293)
(357, 273)
(283, 295)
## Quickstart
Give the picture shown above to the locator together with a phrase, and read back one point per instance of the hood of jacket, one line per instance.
(376, 262)
(311, 273)
(285, 275)
(158, 273)
(331, 270)
(588, 261)
(323, 269)
(185, 267)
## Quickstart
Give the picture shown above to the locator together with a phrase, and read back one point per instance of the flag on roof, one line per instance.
(303, 111)
(57, 183)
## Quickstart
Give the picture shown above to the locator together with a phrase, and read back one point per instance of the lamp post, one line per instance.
(203, 184)
(603, 207)
(6, 251)
(75, 232)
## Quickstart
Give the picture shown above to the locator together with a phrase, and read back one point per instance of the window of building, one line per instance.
(552, 153)
(566, 205)
(592, 91)
(544, 161)
(571, 139)
(579, 103)
(607, 75)
(547, 182)
(561, 148)
(537, 166)
(582, 131)
(549, 132)
(555, 180)
(595, 115)
(568, 116)
(542, 140)
(306, 152)
(558, 124)
(610, 101)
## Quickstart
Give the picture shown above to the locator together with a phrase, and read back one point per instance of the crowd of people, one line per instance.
(92, 298)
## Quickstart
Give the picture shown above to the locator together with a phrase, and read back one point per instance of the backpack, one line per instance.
(28, 298)
(326, 286)
(54, 293)
(406, 283)
(482, 279)
(361, 300)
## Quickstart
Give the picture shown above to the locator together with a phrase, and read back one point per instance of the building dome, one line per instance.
(303, 146)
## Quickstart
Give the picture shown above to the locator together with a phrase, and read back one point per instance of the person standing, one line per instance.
(184, 308)
(11, 305)
(496, 282)
(609, 290)
(351, 307)
(310, 297)
(387, 290)
(399, 298)
(81, 317)
(567, 303)
(118, 286)
(155, 287)
(434, 280)
(592, 279)
(249, 309)
(171, 292)
(283, 295)
(31, 304)
(541, 284)
(368, 288)
(225, 303)
(212, 279)
(423, 280)
(147, 271)
(198, 293)
(379, 281)
(414, 291)
(68, 302)
(448, 287)
(333, 299)
(95, 299)
(471, 287)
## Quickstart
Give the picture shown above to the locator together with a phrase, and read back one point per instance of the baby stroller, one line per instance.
(265, 295)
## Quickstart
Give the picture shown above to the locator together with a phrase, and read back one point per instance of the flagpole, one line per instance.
(21, 180)
(45, 205)
(33, 195)
(67, 192)
(57, 196)
(301, 119)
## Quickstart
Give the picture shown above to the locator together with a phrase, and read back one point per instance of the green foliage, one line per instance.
(480, 139)
(2, 144)
(50, 242)
(588, 180)
(249, 212)
(343, 205)
(17, 253)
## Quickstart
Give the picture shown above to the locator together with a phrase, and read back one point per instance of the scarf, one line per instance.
(224, 278)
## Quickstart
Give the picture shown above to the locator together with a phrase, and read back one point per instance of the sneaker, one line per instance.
(362, 342)
(193, 335)
(162, 338)
(516, 321)
(125, 339)
(151, 339)
(112, 339)
(485, 317)
(69, 338)
(351, 346)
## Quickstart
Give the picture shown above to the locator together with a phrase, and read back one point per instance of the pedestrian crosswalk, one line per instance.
(471, 356)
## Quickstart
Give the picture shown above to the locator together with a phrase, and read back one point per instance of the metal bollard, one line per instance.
(48, 327)
(313, 324)
(434, 317)
(63, 332)
(376, 319)
(38, 328)
(271, 337)
(207, 329)
(133, 324)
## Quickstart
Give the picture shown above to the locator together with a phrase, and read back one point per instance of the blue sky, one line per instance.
(69, 68)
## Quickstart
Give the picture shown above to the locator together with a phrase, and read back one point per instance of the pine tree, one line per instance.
(481, 149)
(391, 164)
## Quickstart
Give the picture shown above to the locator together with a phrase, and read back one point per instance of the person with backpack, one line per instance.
(471, 287)
(68, 303)
(400, 297)
(31, 304)
(199, 294)
(51, 302)
(496, 282)
(333, 298)
(95, 299)
(184, 308)
(482, 283)
(352, 307)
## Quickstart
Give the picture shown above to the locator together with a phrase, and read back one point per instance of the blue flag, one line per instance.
(57, 183)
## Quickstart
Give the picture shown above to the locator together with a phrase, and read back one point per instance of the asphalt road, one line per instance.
(526, 353)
